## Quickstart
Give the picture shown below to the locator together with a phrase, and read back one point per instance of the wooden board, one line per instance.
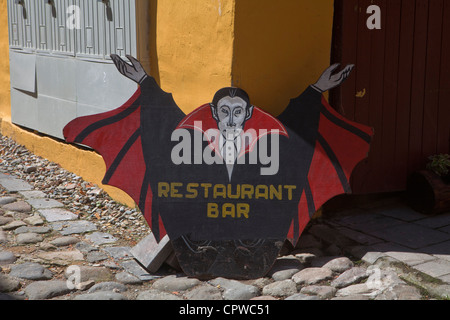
(151, 254)
(405, 73)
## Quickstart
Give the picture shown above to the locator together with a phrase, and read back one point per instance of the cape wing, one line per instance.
(341, 146)
(115, 135)
(338, 146)
(118, 137)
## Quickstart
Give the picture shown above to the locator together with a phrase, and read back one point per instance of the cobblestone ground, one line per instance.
(64, 239)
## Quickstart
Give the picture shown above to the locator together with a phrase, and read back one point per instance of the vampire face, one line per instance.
(231, 109)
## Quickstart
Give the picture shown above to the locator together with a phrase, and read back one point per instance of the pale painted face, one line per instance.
(231, 116)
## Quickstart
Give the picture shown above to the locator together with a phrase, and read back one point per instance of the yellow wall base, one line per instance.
(87, 164)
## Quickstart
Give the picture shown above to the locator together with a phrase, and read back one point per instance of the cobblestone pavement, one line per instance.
(63, 246)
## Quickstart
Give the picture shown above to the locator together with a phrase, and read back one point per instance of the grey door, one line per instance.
(60, 68)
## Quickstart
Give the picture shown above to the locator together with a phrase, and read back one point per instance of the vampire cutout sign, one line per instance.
(228, 183)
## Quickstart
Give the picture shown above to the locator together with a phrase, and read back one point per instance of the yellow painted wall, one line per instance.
(5, 95)
(87, 164)
(194, 49)
(272, 49)
(281, 47)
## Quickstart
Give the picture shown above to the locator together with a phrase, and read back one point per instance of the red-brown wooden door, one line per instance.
(402, 76)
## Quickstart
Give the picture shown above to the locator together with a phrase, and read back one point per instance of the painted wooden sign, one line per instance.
(228, 183)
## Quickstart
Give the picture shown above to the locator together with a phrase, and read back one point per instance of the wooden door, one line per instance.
(400, 87)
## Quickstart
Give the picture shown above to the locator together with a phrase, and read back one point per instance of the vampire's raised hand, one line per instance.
(328, 80)
(133, 71)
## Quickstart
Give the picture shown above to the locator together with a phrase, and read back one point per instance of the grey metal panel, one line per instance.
(90, 38)
(29, 24)
(63, 35)
(120, 31)
(44, 12)
(24, 110)
(23, 70)
(61, 81)
(101, 85)
(22, 16)
(14, 24)
(54, 114)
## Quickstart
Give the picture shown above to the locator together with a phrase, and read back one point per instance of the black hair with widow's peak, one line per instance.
(231, 92)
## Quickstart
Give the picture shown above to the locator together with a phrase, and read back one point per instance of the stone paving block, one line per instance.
(400, 212)
(284, 288)
(89, 273)
(368, 222)
(390, 246)
(4, 176)
(366, 254)
(119, 253)
(40, 203)
(127, 278)
(440, 250)
(408, 256)
(349, 277)
(445, 278)
(74, 227)
(34, 220)
(34, 194)
(29, 238)
(410, 235)
(38, 230)
(206, 292)
(14, 185)
(400, 292)
(46, 289)
(445, 229)
(235, 290)
(329, 235)
(435, 222)
(18, 206)
(310, 276)
(62, 256)
(7, 200)
(100, 238)
(57, 214)
(359, 237)
(323, 292)
(355, 289)
(7, 257)
(30, 271)
(96, 256)
(13, 225)
(173, 283)
(411, 258)
(8, 283)
(64, 241)
(131, 266)
(156, 295)
(5, 220)
(436, 268)
(3, 237)
(375, 204)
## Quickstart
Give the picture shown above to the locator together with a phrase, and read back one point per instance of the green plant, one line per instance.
(439, 164)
